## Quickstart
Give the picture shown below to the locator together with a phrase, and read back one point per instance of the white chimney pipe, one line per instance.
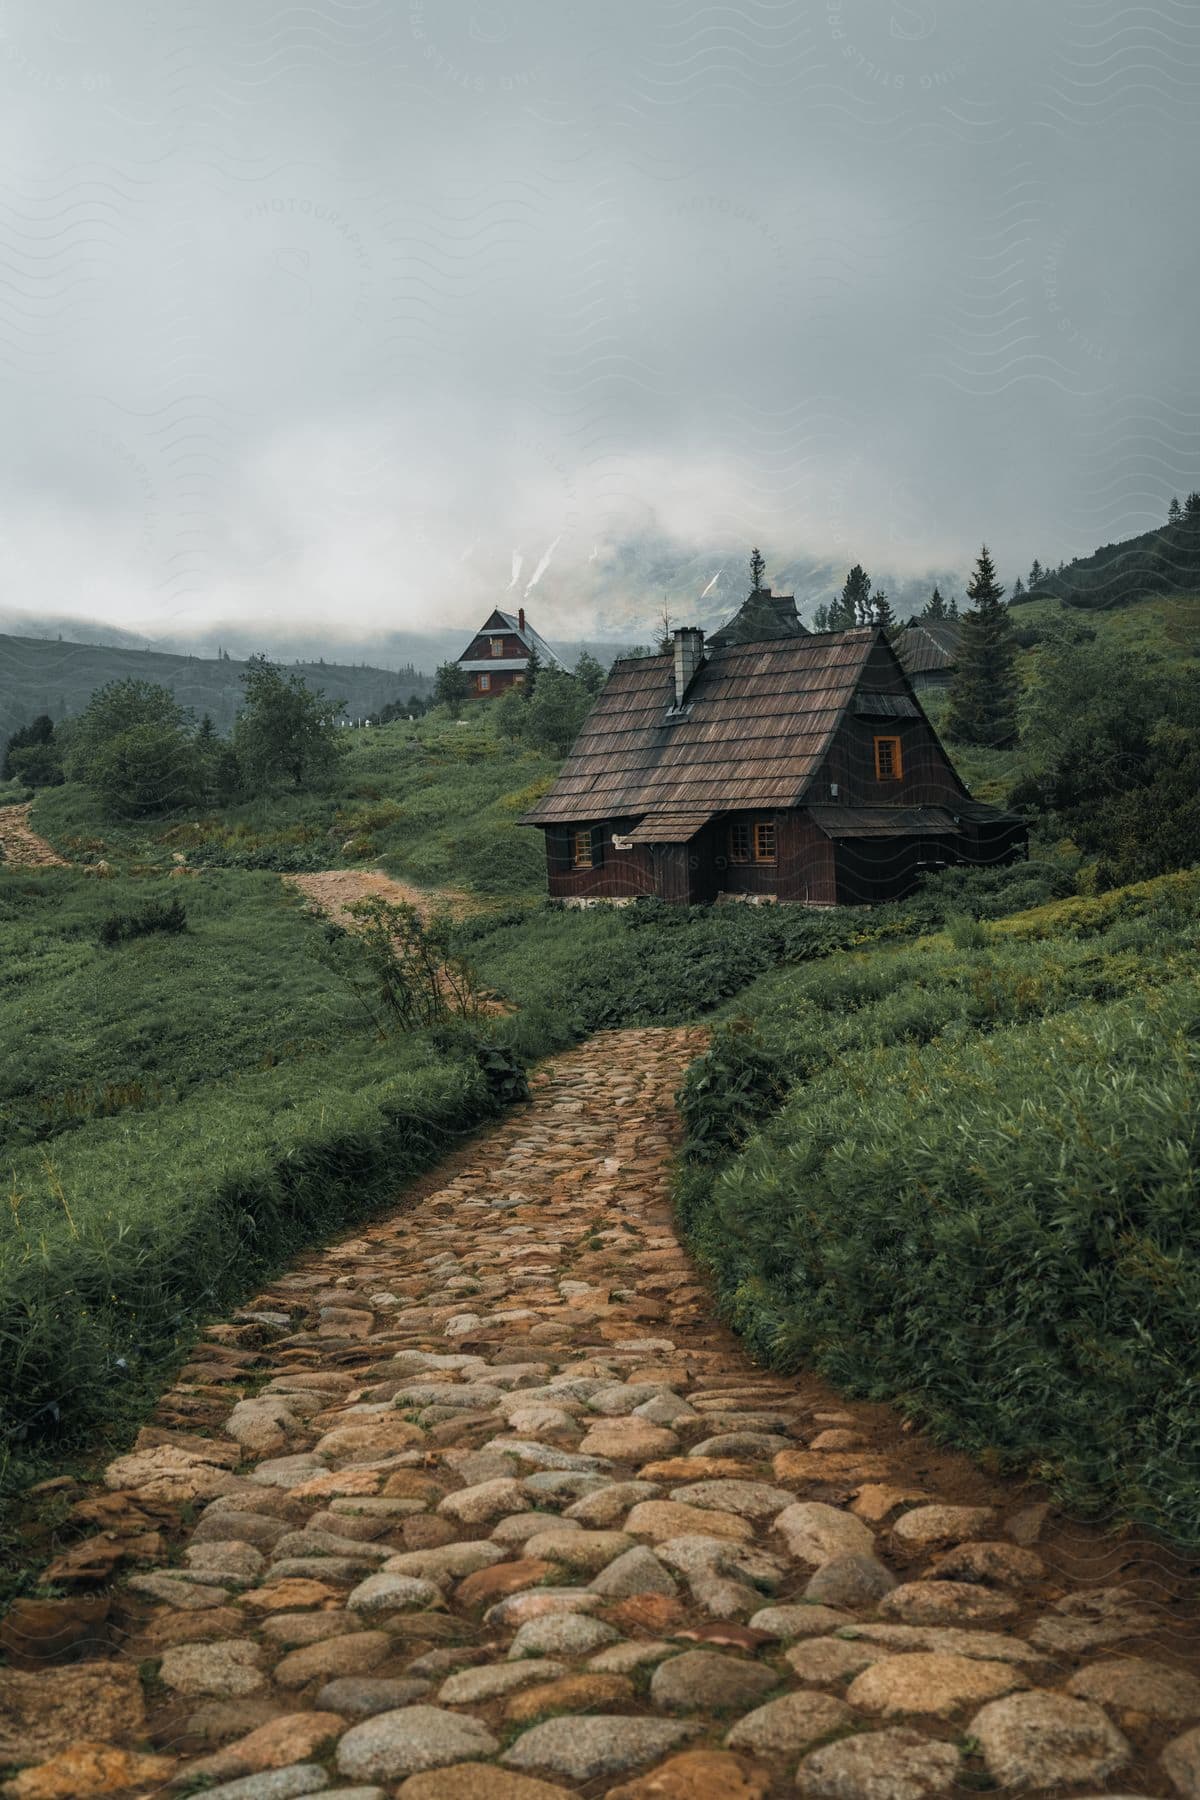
(689, 654)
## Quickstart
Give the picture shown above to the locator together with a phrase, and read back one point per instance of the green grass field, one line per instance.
(181, 1111)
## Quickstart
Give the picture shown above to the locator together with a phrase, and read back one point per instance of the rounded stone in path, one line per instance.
(660, 1520)
(560, 1634)
(832, 1659)
(707, 1681)
(1038, 1740)
(926, 1527)
(487, 1501)
(91, 1769)
(756, 1500)
(408, 1741)
(42, 1714)
(604, 1744)
(224, 1669)
(628, 1440)
(585, 1551)
(788, 1622)
(1181, 1760)
(360, 1696)
(474, 1687)
(353, 1655)
(479, 1781)
(486, 1586)
(284, 1784)
(698, 1775)
(816, 1533)
(380, 1594)
(572, 1693)
(608, 1505)
(936, 1602)
(795, 1722)
(899, 1764)
(931, 1682)
(1135, 1685)
(638, 1571)
(853, 1581)
(290, 1738)
(1000, 1564)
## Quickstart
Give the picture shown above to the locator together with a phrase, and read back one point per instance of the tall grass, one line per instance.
(965, 1178)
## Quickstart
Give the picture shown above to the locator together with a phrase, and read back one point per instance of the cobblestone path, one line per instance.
(481, 1505)
(21, 847)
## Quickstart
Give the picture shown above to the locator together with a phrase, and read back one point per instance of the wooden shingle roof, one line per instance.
(927, 645)
(757, 723)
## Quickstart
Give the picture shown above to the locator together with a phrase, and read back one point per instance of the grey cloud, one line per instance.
(317, 314)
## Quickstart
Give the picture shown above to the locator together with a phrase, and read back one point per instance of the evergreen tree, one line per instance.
(532, 666)
(452, 687)
(1191, 505)
(935, 606)
(983, 691)
(952, 608)
(852, 607)
(883, 614)
(589, 673)
(1035, 575)
(821, 618)
(757, 570)
(1174, 511)
(510, 714)
(1018, 589)
(206, 736)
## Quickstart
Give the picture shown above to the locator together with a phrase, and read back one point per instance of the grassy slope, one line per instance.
(963, 1175)
(39, 675)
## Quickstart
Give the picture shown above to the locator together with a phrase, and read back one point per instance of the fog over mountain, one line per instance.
(338, 324)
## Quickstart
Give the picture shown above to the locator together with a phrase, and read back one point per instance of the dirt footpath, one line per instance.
(481, 1504)
(334, 889)
(22, 848)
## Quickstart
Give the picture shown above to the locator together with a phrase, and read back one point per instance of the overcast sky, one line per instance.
(323, 311)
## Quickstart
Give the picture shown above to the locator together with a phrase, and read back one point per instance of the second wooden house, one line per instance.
(498, 655)
(800, 769)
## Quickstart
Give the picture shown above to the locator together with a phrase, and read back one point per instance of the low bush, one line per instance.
(160, 915)
(965, 1178)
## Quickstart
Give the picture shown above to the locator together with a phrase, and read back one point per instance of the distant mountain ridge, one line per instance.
(58, 677)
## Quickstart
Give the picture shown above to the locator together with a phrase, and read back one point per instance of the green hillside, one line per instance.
(41, 675)
(1157, 563)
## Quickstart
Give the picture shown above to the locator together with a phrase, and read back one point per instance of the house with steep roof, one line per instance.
(761, 615)
(929, 650)
(498, 655)
(798, 768)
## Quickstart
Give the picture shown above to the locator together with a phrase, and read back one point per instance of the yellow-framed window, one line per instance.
(581, 850)
(889, 764)
(739, 842)
(497, 646)
(764, 841)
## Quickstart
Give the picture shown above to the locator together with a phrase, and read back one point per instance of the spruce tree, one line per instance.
(1174, 511)
(1018, 588)
(882, 611)
(854, 605)
(821, 618)
(1035, 574)
(935, 606)
(758, 569)
(983, 691)
(532, 664)
(1191, 505)
(952, 608)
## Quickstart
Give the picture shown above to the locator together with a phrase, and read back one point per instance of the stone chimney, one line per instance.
(689, 654)
(521, 617)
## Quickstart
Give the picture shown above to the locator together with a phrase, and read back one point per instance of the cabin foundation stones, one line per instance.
(507, 1517)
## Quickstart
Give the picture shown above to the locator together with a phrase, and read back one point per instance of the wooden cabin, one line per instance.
(797, 769)
(497, 656)
(929, 650)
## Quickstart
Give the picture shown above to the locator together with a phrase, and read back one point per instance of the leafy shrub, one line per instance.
(160, 915)
(971, 1187)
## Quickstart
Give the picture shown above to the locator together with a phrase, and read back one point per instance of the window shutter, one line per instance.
(597, 845)
(558, 847)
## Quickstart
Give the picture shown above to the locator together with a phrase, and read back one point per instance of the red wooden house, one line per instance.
(799, 769)
(498, 654)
